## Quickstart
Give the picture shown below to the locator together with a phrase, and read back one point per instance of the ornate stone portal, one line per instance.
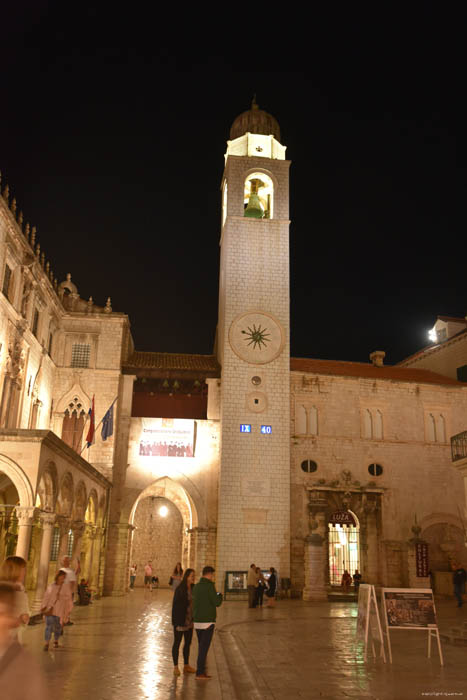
(325, 498)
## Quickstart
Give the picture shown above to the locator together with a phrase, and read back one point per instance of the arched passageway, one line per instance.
(158, 536)
(166, 528)
(9, 498)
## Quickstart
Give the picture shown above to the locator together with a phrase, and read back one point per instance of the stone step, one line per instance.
(339, 597)
(453, 639)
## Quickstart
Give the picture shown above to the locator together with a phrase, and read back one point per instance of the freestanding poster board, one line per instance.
(411, 608)
(368, 622)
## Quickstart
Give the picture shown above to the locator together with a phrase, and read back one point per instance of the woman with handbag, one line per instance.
(182, 621)
(56, 607)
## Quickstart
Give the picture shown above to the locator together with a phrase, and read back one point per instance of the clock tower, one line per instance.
(254, 350)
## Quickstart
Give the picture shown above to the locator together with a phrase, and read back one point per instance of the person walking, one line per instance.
(205, 602)
(20, 675)
(182, 621)
(176, 577)
(459, 577)
(272, 585)
(133, 570)
(251, 585)
(71, 585)
(148, 575)
(13, 570)
(55, 607)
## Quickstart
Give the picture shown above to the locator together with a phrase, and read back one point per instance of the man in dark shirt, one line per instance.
(459, 578)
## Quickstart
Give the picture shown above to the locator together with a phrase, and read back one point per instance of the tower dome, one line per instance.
(255, 121)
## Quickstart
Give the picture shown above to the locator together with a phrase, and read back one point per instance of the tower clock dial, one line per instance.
(256, 337)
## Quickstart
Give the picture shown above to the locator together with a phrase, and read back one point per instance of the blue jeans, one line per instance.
(458, 591)
(52, 624)
(204, 642)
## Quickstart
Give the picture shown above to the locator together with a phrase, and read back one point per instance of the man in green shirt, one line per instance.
(205, 602)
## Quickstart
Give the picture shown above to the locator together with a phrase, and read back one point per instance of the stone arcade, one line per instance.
(311, 466)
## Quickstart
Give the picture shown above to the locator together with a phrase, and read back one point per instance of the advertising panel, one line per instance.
(167, 437)
(409, 608)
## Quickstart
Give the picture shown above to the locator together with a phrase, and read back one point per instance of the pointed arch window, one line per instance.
(313, 421)
(300, 420)
(73, 425)
(431, 428)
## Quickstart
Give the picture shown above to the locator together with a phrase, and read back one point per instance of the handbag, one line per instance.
(170, 581)
(50, 611)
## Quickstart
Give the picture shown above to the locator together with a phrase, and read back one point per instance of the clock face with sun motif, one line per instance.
(256, 337)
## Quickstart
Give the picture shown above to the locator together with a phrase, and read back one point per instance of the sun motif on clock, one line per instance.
(257, 336)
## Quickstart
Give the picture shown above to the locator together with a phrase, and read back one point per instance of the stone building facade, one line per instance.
(244, 455)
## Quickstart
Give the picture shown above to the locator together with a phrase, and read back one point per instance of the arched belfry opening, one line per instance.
(163, 518)
(258, 196)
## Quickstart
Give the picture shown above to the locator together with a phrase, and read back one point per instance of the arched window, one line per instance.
(224, 203)
(73, 425)
(441, 428)
(313, 421)
(300, 420)
(378, 425)
(431, 428)
(367, 424)
(258, 196)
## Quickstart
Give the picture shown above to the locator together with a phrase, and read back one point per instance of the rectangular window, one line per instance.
(55, 544)
(80, 354)
(35, 322)
(6, 281)
(71, 539)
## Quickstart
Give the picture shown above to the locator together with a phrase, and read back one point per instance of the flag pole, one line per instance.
(95, 429)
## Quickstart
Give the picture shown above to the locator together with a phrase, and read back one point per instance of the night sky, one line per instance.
(113, 131)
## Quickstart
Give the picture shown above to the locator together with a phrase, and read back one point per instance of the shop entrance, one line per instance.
(344, 545)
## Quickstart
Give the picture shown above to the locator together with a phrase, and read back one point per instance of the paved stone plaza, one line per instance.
(120, 649)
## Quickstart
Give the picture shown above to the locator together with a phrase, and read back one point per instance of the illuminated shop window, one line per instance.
(344, 549)
(258, 196)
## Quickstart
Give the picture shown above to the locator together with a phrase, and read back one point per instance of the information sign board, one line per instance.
(245, 428)
(411, 608)
(368, 620)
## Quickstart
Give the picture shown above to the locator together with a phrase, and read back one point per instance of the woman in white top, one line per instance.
(13, 570)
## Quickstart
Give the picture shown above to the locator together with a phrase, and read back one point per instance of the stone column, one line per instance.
(78, 532)
(315, 550)
(116, 577)
(47, 521)
(91, 538)
(64, 527)
(94, 575)
(116, 566)
(25, 517)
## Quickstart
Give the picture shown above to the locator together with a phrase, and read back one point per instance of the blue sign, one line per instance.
(245, 428)
(266, 429)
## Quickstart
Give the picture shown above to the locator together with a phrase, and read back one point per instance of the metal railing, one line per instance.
(459, 446)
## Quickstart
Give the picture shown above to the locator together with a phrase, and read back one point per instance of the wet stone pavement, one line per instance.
(120, 649)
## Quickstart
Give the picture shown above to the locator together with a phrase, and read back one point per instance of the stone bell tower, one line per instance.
(254, 349)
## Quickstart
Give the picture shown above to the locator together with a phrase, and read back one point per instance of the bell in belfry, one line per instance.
(254, 209)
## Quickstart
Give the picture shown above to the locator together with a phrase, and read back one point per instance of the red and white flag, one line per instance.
(92, 427)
